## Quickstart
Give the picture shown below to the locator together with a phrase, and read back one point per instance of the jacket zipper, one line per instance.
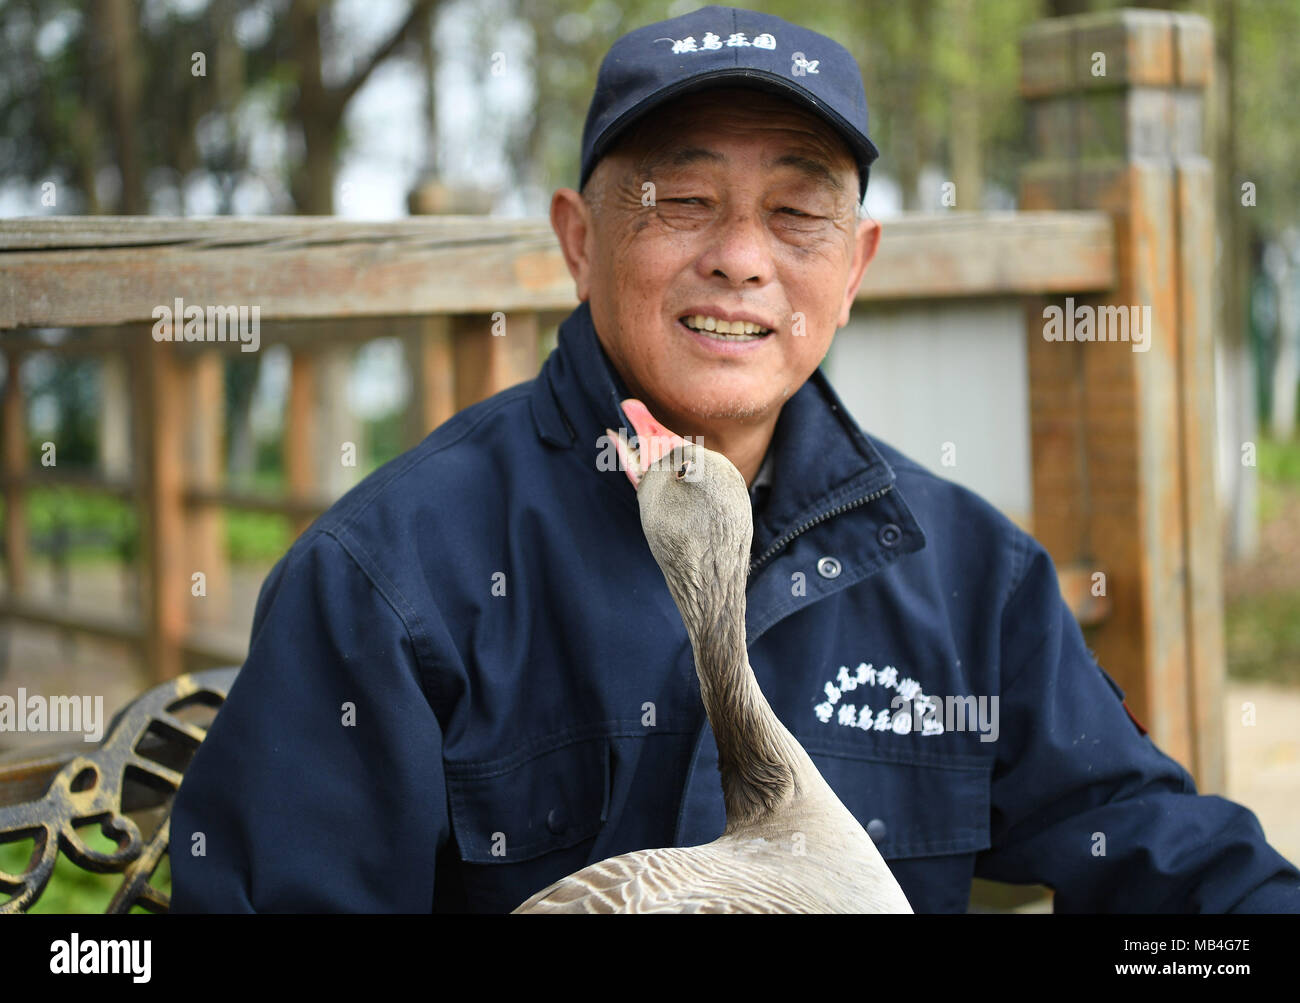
(782, 541)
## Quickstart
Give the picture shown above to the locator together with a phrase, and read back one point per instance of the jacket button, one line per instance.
(889, 535)
(555, 821)
(876, 830)
(828, 567)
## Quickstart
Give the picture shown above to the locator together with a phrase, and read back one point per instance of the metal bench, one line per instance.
(125, 785)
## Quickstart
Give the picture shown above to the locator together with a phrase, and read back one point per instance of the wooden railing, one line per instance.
(319, 283)
(1121, 440)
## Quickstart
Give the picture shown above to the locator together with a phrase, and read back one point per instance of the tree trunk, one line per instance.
(965, 149)
(119, 19)
(1286, 366)
(1238, 418)
(313, 180)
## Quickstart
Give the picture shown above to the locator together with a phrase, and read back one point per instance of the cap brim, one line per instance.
(864, 151)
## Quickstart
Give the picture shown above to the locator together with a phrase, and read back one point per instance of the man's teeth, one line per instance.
(742, 330)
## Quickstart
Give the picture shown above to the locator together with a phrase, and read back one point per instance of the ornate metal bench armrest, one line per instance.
(147, 746)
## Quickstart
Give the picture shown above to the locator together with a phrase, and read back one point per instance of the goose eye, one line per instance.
(685, 469)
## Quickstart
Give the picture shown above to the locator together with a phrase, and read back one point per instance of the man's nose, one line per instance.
(738, 250)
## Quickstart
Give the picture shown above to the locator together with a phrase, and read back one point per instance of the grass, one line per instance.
(1262, 636)
(72, 890)
(1262, 610)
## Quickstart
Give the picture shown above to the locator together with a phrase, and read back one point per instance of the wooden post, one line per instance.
(205, 464)
(428, 348)
(1122, 439)
(160, 405)
(15, 466)
(299, 436)
(493, 352)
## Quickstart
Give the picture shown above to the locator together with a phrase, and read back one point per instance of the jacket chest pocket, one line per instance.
(929, 816)
(528, 820)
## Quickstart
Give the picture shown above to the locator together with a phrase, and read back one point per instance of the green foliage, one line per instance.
(1262, 637)
(1262, 626)
(257, 536)
(1279, 462)
(72, 890)
(386, 437)
(68, 390)
(98, 527)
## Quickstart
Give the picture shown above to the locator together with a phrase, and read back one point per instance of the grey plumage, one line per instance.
(789, 845)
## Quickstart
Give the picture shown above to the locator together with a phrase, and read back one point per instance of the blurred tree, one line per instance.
(124, 104)
(316, 108)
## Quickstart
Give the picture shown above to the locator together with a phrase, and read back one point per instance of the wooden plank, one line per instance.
(14, 415)
(118, 626)
(44, 477)
(1059, 468)
(205, 462)
(1195, 207)
(492, 354)
(987, 254)
(430, 361)
(299, 433)
(160, 403)
(1137, 43)
(58, 275)
(306, 507)
(70, 232)
(1154, 281)
(1193, 51)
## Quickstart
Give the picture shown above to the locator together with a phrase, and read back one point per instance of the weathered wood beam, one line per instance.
(160, 451)
(492, 353)
(92, 271)
(430, 361)
(205, 463)
(300, 434)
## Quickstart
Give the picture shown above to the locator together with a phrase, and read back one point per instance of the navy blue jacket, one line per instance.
(468, 679)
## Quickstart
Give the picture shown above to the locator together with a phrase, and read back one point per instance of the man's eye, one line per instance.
(793, 212)
(692, 199)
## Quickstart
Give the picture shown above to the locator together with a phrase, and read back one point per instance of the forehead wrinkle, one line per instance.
(679, 156)
(816, 170)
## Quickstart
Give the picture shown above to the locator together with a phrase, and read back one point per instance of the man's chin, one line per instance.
(715, 406)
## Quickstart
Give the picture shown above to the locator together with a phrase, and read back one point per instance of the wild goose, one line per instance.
(789, 844)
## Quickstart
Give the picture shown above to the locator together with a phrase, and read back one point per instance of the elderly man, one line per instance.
(468, 680)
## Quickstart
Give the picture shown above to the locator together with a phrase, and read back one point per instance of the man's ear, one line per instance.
(865, 244)
(572, 223)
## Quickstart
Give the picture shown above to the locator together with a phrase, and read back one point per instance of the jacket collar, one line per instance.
(821, 459)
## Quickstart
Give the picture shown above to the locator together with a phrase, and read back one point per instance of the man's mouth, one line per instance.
(724, 330)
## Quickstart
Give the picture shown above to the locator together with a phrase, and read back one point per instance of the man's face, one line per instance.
(754, 215)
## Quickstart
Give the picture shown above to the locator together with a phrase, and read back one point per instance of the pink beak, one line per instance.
(653, 441)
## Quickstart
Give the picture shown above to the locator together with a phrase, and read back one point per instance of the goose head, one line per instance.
(695, 512)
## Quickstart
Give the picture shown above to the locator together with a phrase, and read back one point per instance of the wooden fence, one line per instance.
(1119, 214)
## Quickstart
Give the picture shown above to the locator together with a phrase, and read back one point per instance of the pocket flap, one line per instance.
(913, 807)
(529, 804)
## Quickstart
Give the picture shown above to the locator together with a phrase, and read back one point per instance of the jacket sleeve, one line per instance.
(1085, 803)
(319, 787)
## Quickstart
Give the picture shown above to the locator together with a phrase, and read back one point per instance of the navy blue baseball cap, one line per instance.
(726, 46)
